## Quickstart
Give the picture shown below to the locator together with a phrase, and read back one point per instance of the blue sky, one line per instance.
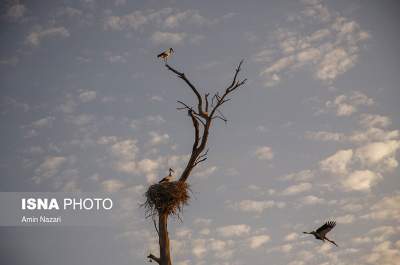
(313, 135)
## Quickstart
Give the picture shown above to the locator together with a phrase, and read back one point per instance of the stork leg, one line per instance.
(333, 242)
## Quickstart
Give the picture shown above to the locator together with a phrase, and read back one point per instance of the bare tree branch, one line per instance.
(183, 77)
(152, 257)
(155, 226)
(204, 116)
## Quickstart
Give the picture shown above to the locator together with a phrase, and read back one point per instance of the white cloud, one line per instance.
(258, 241)
(291, 237)
(125, 151)
(157, 139)
(257, 206)
(325, 136)
(330, 51)
(312, 200)
(202, 221)
(303, 175)
(345, 219)
(87, 96)
(346, 105)
(49, 167)
(338, 162)
(264, 153)
(187, 16)
(205, 172)
(334, 63)
(361, 180)
(297, 188)
(35, 37)
(385, 253)
(168, 38)
(385, 209)
(43, 123)
(234, 230)
(373, 120)
(112, 185)
(381, 154)
(199, 247)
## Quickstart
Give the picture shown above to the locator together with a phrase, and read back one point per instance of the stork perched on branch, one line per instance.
(321, 232)
(168, 178)
(166, 54)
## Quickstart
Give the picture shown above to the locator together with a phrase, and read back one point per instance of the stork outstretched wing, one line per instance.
(325, 228)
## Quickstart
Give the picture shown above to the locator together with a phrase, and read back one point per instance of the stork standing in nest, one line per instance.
(321, 232)
(166, 54)
(168, 178)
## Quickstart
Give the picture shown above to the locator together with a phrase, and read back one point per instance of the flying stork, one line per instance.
(167, 178)
(321, 232)
(166, 54)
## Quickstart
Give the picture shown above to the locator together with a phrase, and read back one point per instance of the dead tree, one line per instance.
(163, 200)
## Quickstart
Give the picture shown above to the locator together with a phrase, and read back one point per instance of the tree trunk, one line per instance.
(165, 255)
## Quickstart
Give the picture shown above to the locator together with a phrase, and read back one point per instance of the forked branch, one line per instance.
(204, 115)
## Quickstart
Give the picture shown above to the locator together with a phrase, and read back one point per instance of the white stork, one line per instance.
(168, 178)
(321, 232)
(166, 54)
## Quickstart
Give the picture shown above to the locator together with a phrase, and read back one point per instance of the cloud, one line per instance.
(325, 136)
(49, 167)
(346, 105)
(199, 247)
(291, 237)
(204, 173)
(385, 253)
(125, 152)
(16, 12)
(234, 230)
(257, 206)
(168, 18)
(361, 180)
(264, 153)
(380, 154)
(258, 241)
(168, 38)
(329, 51)
(35, 37)
(157, 139)
(337, 163)
(312, 200)
(385, 209)
(303, 175)
(187, 17)
(112, 185)
(87, 96)
(374, 120)
(297, 188)
(345, 219)
(43, 122)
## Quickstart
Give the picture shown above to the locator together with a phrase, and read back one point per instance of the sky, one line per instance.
(313, 135)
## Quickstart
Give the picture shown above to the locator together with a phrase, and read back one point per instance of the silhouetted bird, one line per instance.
(321, 232)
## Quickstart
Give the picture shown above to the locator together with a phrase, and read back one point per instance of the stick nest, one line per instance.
(167, 197)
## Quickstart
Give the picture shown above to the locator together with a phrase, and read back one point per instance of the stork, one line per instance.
(321, 232)
(166, 54)
(167, 178)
